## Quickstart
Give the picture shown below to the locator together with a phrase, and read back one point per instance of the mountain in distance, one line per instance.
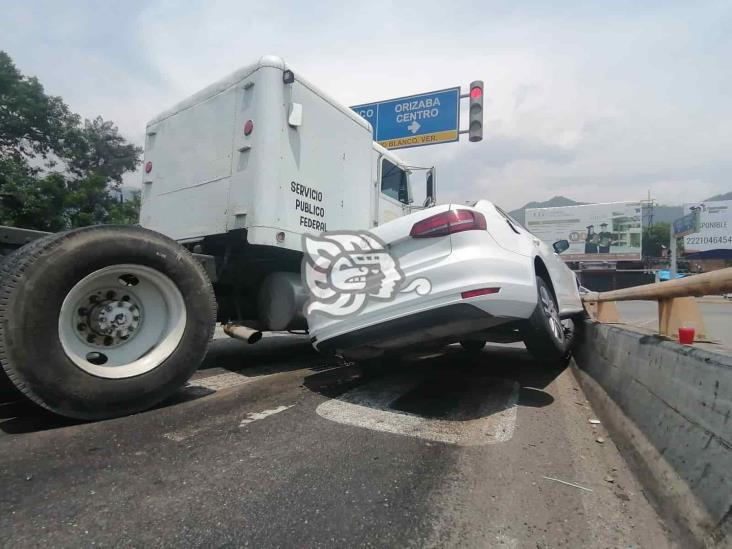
(661, 214)
(555, 202)
(716, 197)
(668, 214)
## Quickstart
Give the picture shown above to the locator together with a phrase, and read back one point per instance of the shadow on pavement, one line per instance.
(450, 384)
(272, 354)
(281, 351)
(24, 416)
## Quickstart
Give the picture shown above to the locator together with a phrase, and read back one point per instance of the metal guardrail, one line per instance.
(676, 308)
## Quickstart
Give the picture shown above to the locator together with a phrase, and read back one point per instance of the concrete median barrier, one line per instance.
(669, 409)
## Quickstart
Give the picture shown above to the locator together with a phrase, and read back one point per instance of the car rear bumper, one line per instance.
(443, 324)
(429, 320)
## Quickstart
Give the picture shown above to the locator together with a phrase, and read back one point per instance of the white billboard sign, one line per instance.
(605, 232)
(715, 227)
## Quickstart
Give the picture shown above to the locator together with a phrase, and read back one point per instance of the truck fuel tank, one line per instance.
(282, 297)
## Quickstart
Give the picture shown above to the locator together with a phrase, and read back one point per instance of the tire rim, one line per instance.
(552, 314)
(122, 321)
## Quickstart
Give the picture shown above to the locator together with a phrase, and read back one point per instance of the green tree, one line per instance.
(127, 212)
(32, 124)
(98, 148)
(55, 172)
(654, 239)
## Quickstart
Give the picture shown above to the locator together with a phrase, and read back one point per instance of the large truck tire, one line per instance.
(545, 335)
(103, 321)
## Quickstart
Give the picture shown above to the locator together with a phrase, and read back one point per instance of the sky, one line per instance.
(596, 101)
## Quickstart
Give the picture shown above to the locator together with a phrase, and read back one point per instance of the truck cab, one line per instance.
(393, 190)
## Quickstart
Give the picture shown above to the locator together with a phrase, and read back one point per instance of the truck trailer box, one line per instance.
(263, 150)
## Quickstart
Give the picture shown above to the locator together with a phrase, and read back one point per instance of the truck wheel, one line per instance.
(103, 321)
(545, 334)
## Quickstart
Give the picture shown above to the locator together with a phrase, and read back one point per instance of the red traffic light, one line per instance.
(476, 92)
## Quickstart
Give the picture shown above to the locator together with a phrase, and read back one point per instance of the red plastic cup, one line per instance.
(686, 336)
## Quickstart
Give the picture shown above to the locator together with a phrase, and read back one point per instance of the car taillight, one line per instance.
(449, 222)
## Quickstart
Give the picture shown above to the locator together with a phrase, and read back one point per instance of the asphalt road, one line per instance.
(272, 445)
(717, 315)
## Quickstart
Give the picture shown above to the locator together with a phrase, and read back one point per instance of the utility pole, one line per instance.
(672, 251)
(689, 224)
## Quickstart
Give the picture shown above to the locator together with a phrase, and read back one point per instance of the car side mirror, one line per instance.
(402, 194)
(560, 246)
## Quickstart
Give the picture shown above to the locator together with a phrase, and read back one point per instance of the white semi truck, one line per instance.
(109, 320)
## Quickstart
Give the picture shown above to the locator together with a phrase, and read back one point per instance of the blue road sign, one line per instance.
(689, 224)
(416, 120)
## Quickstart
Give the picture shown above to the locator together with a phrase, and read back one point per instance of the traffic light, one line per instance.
(475, 120)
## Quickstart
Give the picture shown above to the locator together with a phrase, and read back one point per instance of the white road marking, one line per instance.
(255, 416)
(569, 483)
(220, 381)
(368, 407)
(506, 541)
(179, 435)
(183, 434)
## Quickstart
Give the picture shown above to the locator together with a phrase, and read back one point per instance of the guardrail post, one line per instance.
(680, 312)
(604, 311)
(676, 308)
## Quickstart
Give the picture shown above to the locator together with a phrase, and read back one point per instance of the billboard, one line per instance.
(596, 232)
(715, 227)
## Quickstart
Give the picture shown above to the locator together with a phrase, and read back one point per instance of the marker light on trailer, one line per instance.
(481, 291)
(449, 222)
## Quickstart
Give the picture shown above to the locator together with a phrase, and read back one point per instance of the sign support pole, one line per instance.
(672, 250)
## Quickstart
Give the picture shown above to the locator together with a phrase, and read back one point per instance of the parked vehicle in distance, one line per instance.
(490, 279)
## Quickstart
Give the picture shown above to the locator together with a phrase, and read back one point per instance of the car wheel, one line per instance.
(103, 321)
(545, 334)
(473, 345)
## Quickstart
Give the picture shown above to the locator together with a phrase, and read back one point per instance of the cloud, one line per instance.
(595, 101)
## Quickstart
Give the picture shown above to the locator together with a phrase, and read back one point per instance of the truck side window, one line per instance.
(394, 182)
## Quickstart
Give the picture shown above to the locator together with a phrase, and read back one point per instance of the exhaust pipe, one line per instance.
(245, 333)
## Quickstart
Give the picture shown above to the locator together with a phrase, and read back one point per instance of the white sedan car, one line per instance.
(441, 275)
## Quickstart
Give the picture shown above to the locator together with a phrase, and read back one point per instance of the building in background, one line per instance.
(711, 247)
(596, 232)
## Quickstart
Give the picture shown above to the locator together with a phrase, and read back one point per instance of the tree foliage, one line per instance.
(55, 171)
(655, 238)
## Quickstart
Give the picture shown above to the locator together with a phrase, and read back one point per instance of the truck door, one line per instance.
(393, 193)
